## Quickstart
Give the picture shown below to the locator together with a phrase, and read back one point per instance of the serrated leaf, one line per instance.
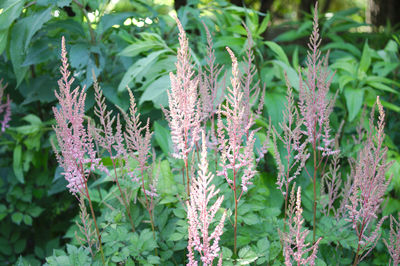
(27, 219)
(175, 237)
(16, 217)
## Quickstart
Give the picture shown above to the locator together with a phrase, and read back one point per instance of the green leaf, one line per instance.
(157, 92)
(141, 65)
(354, 99)
(11, 10)
(16, 217)
(139, 47)
(27, 219)
(35, 211)
(264, 24)
(275, 103)
(109, 20)
(79, 55)
(246, 256)
(166, 183)
(175, 237)
(163, 138)
(17, 163)
(21, 36)
(20, 245)
(365, 61)
(279, 53)
(343, 46)
(3, 40)
(251, 219)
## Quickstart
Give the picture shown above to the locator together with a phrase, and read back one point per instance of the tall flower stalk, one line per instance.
(5, 108)
(113, 143)
(296, 153)
(369, 186)
(294, 247)
(138, 139)
(183, 115)
(236, 141)
(77, 155)
(200, 215)
(316, 107)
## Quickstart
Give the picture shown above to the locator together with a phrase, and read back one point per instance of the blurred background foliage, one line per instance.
(133, 43)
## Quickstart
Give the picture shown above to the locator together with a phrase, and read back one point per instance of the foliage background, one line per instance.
(133, 43)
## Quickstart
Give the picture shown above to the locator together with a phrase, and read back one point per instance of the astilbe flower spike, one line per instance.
(394, 241)
(5, 108)
(315, 106)
(296, 154)
(369, 186)
(138, 140)
(77, 155)
(200, 215)
(235, 139)
(76, 145)
(295, 247)
(183, 115)
(112, 142)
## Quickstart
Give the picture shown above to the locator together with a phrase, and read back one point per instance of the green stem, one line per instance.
(95, 223)
(315, 193)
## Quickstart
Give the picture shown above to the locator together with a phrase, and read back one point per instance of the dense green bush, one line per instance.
(137, 48)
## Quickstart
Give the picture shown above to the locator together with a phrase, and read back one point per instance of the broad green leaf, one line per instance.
(11, 10)
(27, 219)
(137, 68)
(109, 20)
(354, 99)
(344, 80)
(139, 47)
(365, 61)
(280, 54)
(275, 104)
(166, 183)
(16, 217)
(79, 55)
(17, 163)
(157, 92)
(163, 138)
(21, 36)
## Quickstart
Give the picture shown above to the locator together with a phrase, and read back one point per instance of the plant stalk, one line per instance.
(95, 223)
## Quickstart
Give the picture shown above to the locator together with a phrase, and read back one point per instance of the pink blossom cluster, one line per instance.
(200, 215)
(236, 140)
(5, 108)
(369, 185)
(183, 115)
(76, 154)
(295, 247)
(314, 103)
